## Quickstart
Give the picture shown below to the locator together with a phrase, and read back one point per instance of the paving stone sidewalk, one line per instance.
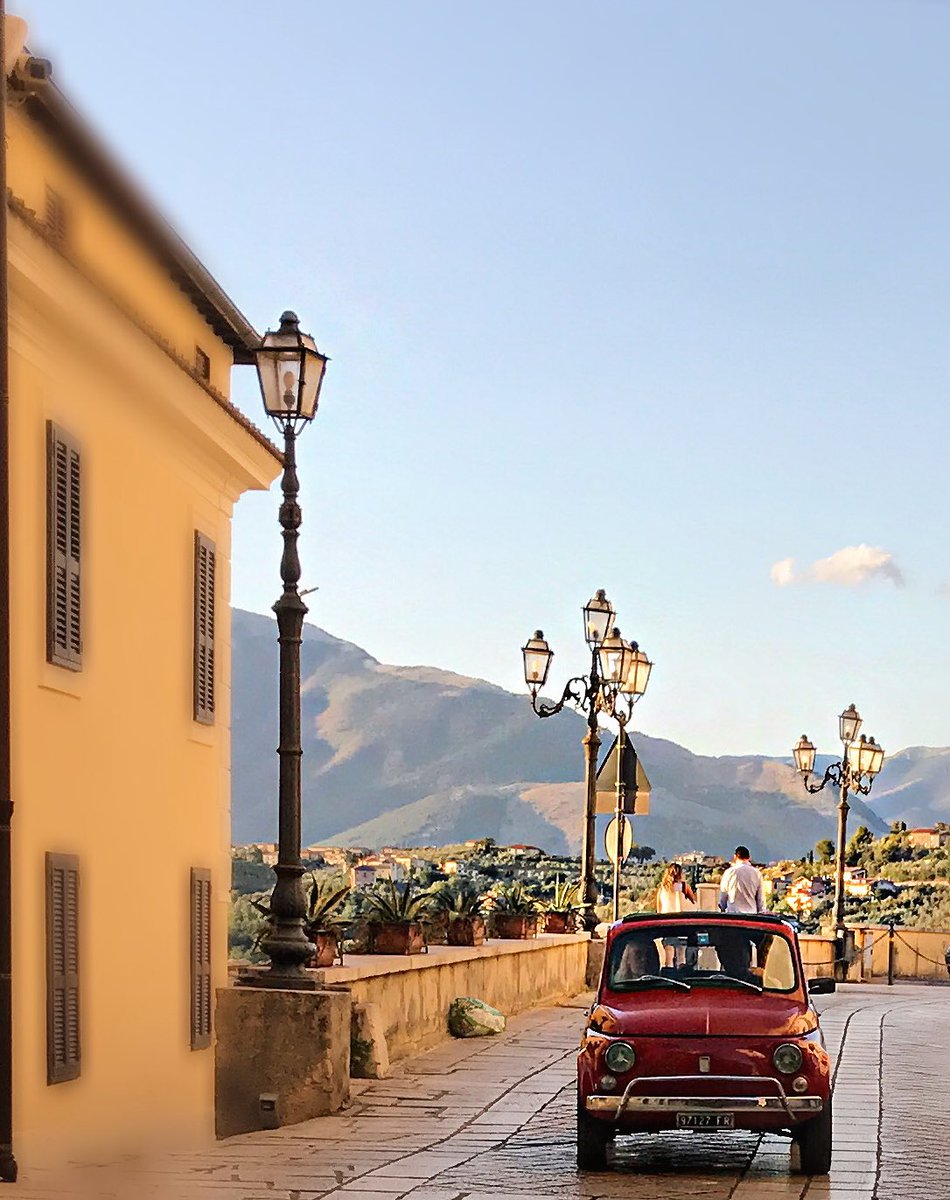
(490, 1119)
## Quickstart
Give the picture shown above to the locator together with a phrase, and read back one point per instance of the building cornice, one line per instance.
(38, 227)
(44, 104)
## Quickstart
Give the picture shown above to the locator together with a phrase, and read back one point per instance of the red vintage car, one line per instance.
(703, 1021)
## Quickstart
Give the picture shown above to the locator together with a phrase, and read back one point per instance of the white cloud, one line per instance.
(783, 573)
(851, 566)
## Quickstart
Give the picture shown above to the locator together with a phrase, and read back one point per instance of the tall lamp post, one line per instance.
(861, 760)
(290, 369)
(619, 673)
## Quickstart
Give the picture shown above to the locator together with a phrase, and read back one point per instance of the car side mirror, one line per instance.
(821, 987)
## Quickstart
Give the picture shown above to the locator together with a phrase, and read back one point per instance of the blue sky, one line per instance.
(644, 296)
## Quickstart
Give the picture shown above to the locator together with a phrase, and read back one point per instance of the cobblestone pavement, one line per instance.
(491, 1119)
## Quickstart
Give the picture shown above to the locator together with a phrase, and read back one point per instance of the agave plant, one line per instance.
(513, 898)
(566, 897)
(324, 906)
(460, 898)
(397, 903)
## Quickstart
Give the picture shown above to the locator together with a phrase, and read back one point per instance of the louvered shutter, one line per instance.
(63, 1045)
(204, 630)
(64, 538)
(200, 958)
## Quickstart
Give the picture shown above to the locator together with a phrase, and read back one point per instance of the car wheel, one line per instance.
(814, 1143)
(592, 1139)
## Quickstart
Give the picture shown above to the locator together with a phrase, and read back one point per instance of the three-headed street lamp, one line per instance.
(290, 369)
(618, 677)
(860, 762)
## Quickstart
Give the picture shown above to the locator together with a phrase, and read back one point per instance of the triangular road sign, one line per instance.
(635, 782)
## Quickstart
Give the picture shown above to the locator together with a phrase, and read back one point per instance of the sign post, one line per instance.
(622, 781)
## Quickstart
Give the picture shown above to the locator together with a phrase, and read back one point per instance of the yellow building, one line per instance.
(126, 460)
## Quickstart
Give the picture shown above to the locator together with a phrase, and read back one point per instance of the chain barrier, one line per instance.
(936, 962)
(846, 959)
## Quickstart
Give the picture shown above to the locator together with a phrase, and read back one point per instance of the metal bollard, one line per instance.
(890, 954)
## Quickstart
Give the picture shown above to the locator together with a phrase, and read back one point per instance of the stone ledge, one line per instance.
(410, 994)
(368, 966)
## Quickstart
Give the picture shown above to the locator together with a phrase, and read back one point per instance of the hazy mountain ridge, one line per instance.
(397, 754)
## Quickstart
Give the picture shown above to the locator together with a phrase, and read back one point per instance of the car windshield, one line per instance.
(702, 954)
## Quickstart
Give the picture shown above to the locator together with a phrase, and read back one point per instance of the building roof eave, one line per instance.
(48, 107)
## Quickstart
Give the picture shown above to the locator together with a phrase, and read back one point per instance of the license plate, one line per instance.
(724, 1120)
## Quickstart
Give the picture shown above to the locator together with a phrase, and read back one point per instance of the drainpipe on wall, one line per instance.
(8, 1168)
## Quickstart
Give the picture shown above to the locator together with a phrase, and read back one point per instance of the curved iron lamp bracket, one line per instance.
(576, 691)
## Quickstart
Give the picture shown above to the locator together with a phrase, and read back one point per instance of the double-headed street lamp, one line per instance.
(619, 673)
(861, 760)
(290, 369)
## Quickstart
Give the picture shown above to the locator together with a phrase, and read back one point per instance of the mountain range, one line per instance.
(420, 756)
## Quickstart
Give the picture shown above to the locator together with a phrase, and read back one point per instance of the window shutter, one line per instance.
(63, 1048)
(204, 630)
(200, 958)
(64, 545)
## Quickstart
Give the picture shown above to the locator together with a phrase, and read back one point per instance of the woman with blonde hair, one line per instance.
(674, 895)
(673, 891)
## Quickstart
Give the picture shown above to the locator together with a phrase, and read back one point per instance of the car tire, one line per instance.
(814, 1143)
(592, 1139)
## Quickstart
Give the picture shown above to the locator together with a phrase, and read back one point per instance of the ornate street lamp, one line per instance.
(290, 369)
(619, 672)
(861, 760)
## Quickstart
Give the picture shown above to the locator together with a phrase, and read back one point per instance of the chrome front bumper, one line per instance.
(794, 1107)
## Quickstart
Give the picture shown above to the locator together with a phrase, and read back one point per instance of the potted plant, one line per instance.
(323, 925)
(396, 912)
(560, 912)
(463, 906)
(513, 911)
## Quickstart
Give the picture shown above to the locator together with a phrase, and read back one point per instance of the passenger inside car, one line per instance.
(637, 958)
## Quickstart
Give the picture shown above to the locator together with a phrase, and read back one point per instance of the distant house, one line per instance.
(370, 871)
(928, 839)
(450, 866)
(408, 862)
(523, 851)
(696, 858)
(334, 856)
(856, 882)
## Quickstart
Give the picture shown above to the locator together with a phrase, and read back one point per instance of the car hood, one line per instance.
(703, 1012)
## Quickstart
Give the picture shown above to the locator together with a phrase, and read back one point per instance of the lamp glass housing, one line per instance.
(598, 618)
(849, 723)
(865, 756)
(638, 674)
(290, 369)
(804, 754)
(615, 656)
(537, 660)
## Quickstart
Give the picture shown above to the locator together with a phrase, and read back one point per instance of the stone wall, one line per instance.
(411, 995)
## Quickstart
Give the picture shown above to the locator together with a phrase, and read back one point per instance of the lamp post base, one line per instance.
(844, 952)
(267, 977)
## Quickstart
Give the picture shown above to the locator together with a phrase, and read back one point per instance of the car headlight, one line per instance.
(787, 1059)
(620, 1057)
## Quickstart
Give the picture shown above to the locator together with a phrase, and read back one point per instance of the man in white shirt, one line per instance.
(741, 887)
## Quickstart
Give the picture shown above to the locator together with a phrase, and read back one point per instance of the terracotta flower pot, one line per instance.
(327, 947)
(559, 922)
(514, 925)
(466, 931)
(387, 937)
